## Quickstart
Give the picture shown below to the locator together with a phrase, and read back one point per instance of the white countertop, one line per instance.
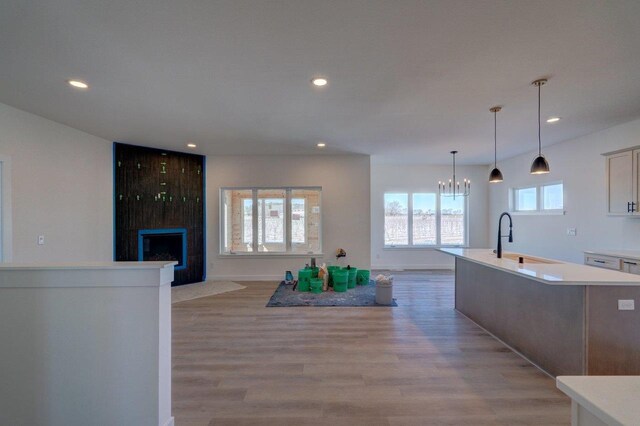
(613, 399)
(85, 265)
(86, 274)
(627, 254)
(557, 273)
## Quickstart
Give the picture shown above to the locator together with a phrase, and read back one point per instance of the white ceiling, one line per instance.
(408, 80)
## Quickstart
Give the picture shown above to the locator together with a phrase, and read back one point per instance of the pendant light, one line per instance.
(453, 189)
(496, 175)
(540, 164)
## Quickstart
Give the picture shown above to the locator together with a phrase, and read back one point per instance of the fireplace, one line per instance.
(163, 245)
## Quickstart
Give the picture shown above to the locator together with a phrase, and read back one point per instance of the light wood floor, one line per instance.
(236, 362)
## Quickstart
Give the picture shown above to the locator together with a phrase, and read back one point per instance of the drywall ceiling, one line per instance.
(408, 80)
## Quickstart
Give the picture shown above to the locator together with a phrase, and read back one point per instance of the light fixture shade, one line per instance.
(495, 176)
(539, 166)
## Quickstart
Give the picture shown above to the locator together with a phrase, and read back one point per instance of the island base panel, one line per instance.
(545, 323)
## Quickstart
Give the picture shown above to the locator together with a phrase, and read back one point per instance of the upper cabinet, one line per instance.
(623, 188)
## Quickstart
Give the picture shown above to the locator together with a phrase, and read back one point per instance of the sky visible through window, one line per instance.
(526, 199)
(553, 197)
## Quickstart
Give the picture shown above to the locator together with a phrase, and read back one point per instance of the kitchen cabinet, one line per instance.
(623, 182)
(619, 260)
(631, 266)
(607, 262)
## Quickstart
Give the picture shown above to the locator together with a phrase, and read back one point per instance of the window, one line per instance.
(424, 219)
(305, 221)
(452, 221)
(542, 199)
(298, 227)
(396, 219)
(247, 220)
(526, 199)
(5, 209)
(552, 197)
(270, 221)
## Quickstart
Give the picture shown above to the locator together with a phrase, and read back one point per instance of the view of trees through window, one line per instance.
(424, 219)
(421, 227)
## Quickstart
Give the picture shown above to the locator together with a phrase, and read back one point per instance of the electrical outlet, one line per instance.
(572, 232)
(40, 240)
(626, 305)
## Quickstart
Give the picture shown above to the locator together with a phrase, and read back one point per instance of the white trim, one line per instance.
(265, 278)
(7, 223)
(539, 213)
(170, 422)
(424, 247)
(250, 255)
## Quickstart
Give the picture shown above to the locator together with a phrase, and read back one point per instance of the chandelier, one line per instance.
(452, 188)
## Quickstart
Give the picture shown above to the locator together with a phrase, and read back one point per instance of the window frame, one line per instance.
(539, 210)
(287, 221)
(410, 245)
(6, 217)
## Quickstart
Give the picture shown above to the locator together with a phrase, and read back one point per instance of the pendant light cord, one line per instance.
(495, 139)
(539, 139)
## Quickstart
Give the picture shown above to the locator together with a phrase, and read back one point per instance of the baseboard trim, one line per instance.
(277, 278)
(170, 422)
(412, 267)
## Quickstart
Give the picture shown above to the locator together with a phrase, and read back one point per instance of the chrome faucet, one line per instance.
(499, 248)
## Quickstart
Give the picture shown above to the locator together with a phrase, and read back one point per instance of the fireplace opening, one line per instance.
(163, 245)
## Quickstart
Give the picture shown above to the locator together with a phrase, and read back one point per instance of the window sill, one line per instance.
(396, 248)
(539, 213)
(267, 255)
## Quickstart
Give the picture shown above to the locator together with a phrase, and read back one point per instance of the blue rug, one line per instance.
(362, 296)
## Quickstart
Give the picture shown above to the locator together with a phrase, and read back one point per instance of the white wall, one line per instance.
(345, 208)
(423, 178)
(580, 166)
(61, 188)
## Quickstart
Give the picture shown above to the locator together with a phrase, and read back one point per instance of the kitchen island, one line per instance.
(563, 317)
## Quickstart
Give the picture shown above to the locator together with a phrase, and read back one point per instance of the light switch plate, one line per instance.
(572, 232)
(40, 240)
(626, 305)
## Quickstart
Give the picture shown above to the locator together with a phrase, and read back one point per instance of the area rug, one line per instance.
(209, 288)
(362, 296)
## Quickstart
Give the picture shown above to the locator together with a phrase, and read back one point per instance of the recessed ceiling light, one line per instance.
(78, 84)
(192, 145)
(321, 145)
(319, 81)
(553, 119)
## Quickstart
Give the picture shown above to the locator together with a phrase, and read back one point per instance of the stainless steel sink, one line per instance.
(527, 259)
